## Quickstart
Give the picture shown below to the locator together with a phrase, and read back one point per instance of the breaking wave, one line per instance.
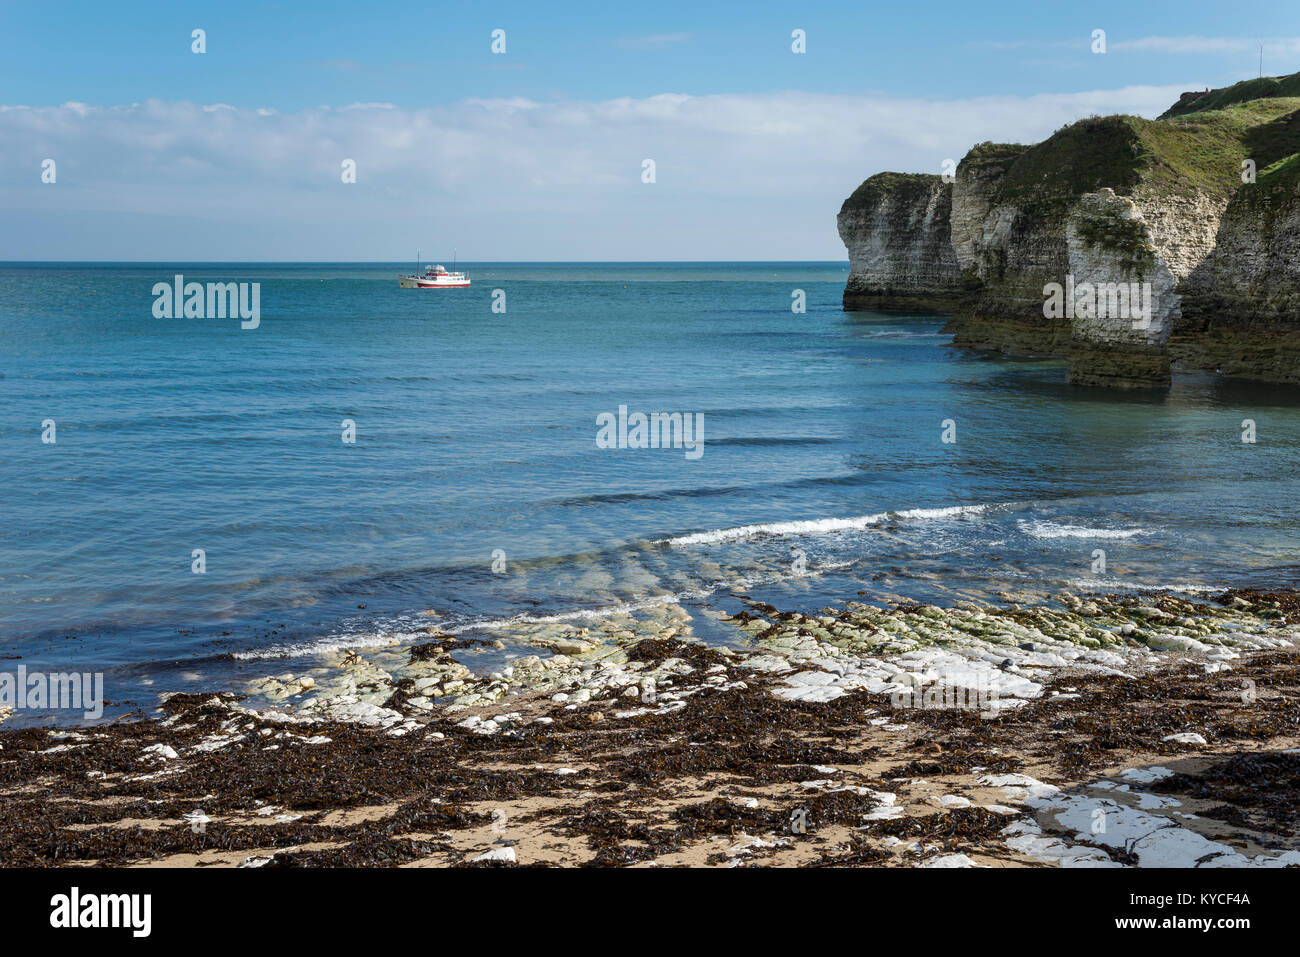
(1043, 529)
(819, 526)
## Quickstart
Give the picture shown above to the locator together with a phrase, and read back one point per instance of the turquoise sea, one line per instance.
(824, 474)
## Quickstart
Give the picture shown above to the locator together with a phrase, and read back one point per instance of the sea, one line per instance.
(187, 502)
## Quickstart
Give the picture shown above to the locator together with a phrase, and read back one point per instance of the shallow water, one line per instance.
(824, 473)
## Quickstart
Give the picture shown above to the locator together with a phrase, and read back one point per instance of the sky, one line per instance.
(539, 152)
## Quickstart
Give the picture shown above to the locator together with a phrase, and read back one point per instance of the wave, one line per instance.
(901, 333)
(407, 630)
(1121, 585)
(848, 480)
(1043, 529)
(402, 631)
(818, 526)
(318, 646)
(606, 611)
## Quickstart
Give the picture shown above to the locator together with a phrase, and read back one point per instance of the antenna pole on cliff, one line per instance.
(1261, 59)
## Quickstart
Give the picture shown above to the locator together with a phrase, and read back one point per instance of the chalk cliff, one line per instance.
(1246, 319)
(895, 227)
(1120, 326)
(1111, 203)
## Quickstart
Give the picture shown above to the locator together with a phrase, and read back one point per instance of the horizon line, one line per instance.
(384, 262)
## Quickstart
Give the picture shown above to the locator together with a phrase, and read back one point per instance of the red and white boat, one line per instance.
(434, 277)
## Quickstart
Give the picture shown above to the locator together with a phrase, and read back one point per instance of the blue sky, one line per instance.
(537, 153)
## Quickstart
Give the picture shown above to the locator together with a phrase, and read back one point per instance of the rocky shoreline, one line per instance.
(1107, 732)
(1197, 209)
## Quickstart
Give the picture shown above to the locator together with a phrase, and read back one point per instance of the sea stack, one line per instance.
(896, 227)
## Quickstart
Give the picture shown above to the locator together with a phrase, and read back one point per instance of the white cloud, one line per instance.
(739, 176)
(1200, 46)
(1211, 45)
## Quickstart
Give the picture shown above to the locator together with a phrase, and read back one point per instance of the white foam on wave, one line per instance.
(818, 526)
(606, 611)
(645, 604)
(340, 642)
(1039, 528)
(1120, 585)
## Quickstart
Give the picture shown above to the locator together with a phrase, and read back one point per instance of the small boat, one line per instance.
(433, 277)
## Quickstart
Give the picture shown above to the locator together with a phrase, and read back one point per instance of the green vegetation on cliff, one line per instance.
(1197, 147)
(1079, 158)
(874, 189)
(1275, 189)
(1201, 152)
(1205, 150)
(1265, 87)
(990, 154)
(1281, 180)
(1109, 229)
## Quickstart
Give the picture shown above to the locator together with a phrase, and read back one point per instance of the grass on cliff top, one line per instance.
(1206, 149)
(1197, 151)
(1278, 185)
(990, 150)
(1257, 89)
(1203, 151)
(1079, 158)
(874, 188)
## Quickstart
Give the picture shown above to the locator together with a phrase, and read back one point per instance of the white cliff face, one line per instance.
(1243, 320)
(1258, 256)
(1104, 267)
(976, 225)
(970, 207)
(896, 231)
(1125, 298)
(1184, 231)
(1006, 255)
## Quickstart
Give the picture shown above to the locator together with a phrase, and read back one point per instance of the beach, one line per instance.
(1092, 731)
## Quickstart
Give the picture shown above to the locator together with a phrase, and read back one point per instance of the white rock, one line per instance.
(506, 854)
(883, 814)
(1185, 737)
(1145, 775)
